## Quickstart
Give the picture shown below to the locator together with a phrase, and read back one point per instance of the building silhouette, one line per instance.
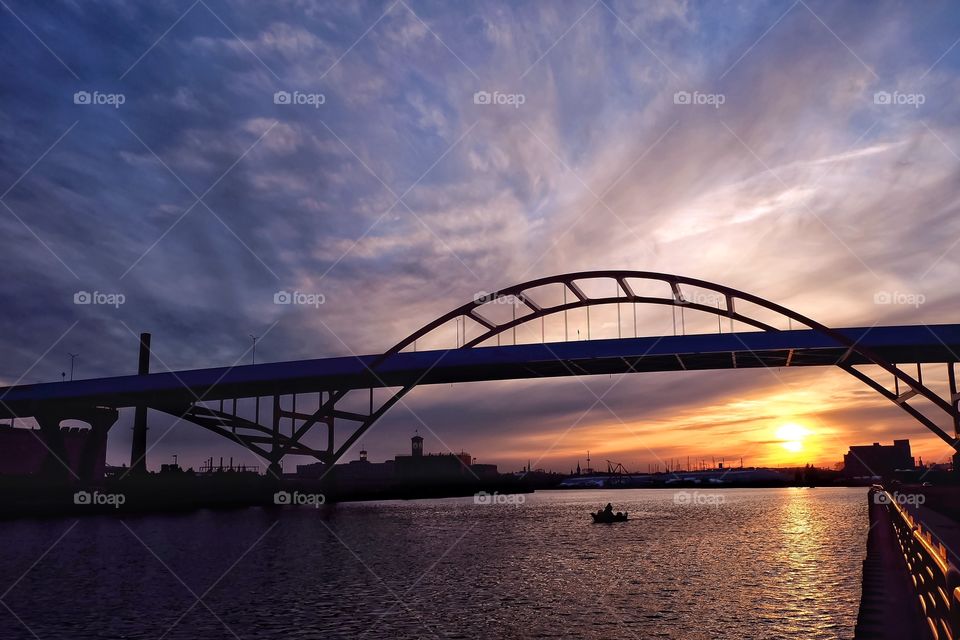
(432, 467)
(415, 468)
(878, 460)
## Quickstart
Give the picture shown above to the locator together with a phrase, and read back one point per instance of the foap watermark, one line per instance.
(499, 98)
(898, 98)
(899, 297)
(698, 98)
(98, 499)
(99, 298)
(699, 498)
(703, 298)
(98, 98)
(902, 499)
(300, 298)
(299, 499)
(484, 498)
(483, 297)
(301, 98)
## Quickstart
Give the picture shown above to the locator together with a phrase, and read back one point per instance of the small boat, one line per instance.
(604, 517)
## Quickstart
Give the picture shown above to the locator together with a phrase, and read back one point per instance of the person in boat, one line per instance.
(608, 510)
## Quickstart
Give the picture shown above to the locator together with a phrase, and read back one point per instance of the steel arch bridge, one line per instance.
(209, 397)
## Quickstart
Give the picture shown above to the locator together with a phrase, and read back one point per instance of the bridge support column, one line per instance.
(276, 451)
(952, 382)
(100, 422)
(56, 465)
(331, 444)
(138, 450)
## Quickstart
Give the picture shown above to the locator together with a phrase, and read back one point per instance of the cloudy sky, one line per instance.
(396, 158)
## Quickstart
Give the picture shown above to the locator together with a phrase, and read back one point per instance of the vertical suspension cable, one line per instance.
(617, 290)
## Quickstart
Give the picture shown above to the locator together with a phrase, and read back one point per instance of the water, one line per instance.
(765, 563)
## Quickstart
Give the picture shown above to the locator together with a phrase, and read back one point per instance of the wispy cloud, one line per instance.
(806, 153)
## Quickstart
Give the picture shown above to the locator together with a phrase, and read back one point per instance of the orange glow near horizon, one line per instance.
(778, 426)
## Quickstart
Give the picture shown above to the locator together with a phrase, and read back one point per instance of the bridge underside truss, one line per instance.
(284, 430)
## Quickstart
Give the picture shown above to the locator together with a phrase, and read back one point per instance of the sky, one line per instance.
(185, 162)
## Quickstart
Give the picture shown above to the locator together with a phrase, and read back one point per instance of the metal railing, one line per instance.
(936, 579)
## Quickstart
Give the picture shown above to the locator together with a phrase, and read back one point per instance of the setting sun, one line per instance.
(791, 436)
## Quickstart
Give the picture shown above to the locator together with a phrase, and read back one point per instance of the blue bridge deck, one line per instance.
(902, 344)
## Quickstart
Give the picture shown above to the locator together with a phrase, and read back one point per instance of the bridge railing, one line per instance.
(935, 576)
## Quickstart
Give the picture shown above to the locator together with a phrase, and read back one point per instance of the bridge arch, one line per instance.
(575, 297)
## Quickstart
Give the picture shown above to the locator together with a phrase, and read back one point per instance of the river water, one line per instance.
(731, 563)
